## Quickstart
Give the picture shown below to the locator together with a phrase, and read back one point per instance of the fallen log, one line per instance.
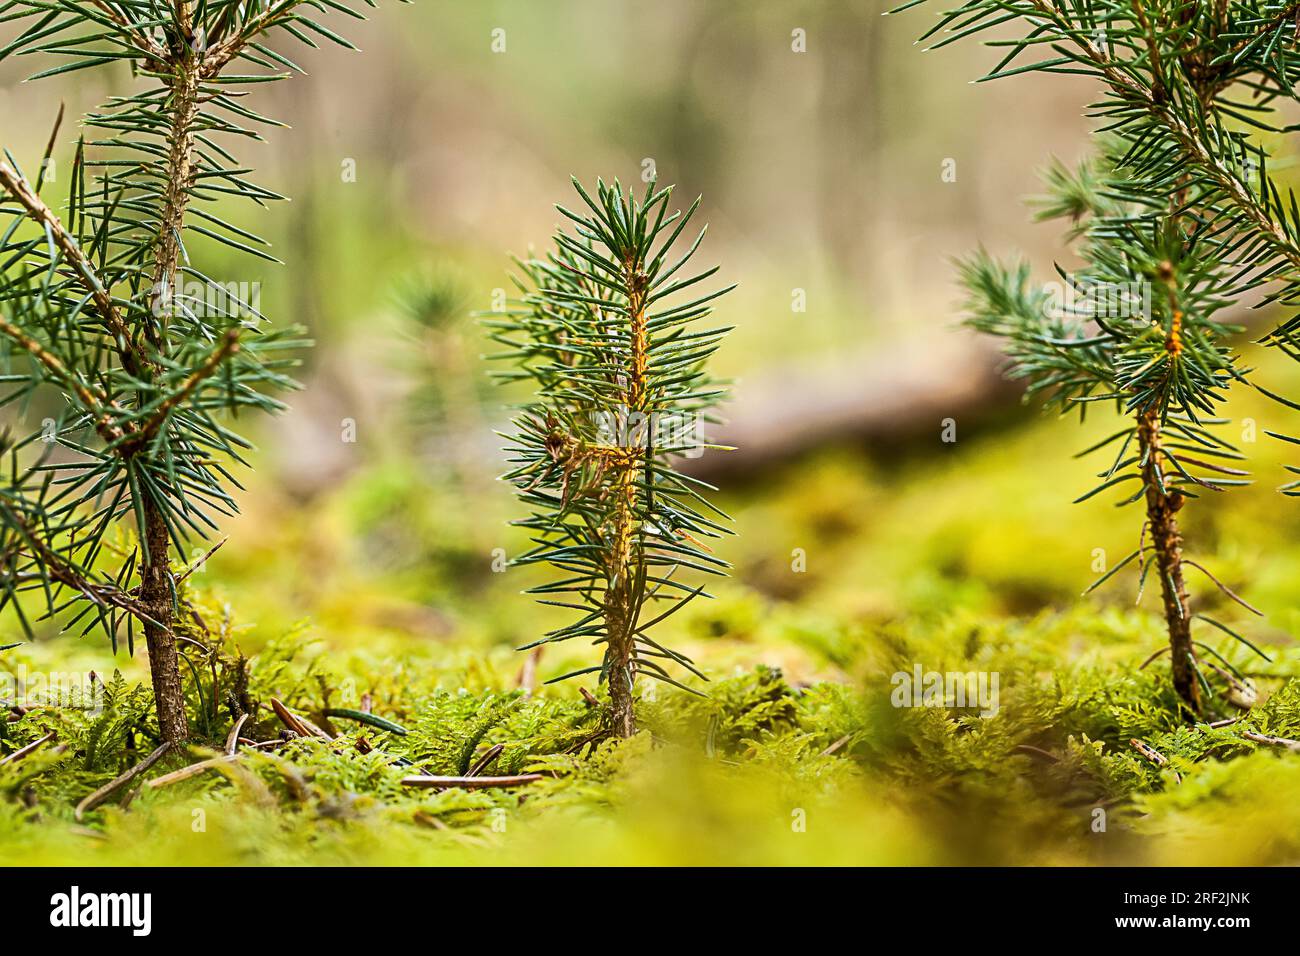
(889, 393)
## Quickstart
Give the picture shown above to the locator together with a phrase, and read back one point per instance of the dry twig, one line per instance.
(108, 789)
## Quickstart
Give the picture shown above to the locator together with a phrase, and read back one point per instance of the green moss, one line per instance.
(763, 770)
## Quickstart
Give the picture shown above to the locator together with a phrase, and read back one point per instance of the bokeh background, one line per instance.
(823, 177)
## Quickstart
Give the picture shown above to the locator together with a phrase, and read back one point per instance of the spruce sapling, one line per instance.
(1177, 218)
(108, 319)
(617, 361)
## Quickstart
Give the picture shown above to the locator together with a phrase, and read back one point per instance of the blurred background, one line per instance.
(841, 167)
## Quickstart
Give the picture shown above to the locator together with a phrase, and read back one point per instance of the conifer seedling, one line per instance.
(1177, 218)
(110, 323)
(606, 331)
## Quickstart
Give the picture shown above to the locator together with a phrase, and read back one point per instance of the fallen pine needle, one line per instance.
(1223, 723)
(22, 752)
(365, 717)
(428, 820)
(232, 741)
(193, 770)
(1153, 755)
(1046, 754)
(108, 789)
(527, 679)
(836, 746)
(483, 762)
(1292, 745)
(299, 725)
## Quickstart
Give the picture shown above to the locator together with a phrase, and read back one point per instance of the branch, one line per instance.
(181, 10)
(225, 51)
(1292, 745)
(63, 572)
(93, 398)
(1153, 50)
(32, 747)
(228, 345)
(1289, 12)
(200, 562)
(141, 41)
(1187, 138)
(132, 357)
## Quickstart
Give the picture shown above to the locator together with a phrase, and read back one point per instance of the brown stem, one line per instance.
(625, 564)
(1189, 138)
(57, 568)
(1163, 504)
(620, 655)
(1164, 501)
(92, 397)
(156, 595)
(225, 49)
(180, 177)
(227, 346)
(156, 584)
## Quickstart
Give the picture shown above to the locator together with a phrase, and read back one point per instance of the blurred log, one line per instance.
(892, 392)
(889, 393)
(886, 394)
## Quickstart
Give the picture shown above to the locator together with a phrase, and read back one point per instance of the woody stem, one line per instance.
(1162, 507)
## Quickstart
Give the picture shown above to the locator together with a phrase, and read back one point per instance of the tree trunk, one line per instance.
(156, 595)
(621, 714)
(620, 648)
(155, 571)
(1163, 504)
(626, 563)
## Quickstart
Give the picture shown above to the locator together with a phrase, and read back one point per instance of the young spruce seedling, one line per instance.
(109, 323)
(618, 365)
(1176, 218)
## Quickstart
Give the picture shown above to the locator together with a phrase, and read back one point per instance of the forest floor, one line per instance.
(762, 771)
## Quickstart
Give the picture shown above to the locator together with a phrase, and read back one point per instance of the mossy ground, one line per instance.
(761, 771)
